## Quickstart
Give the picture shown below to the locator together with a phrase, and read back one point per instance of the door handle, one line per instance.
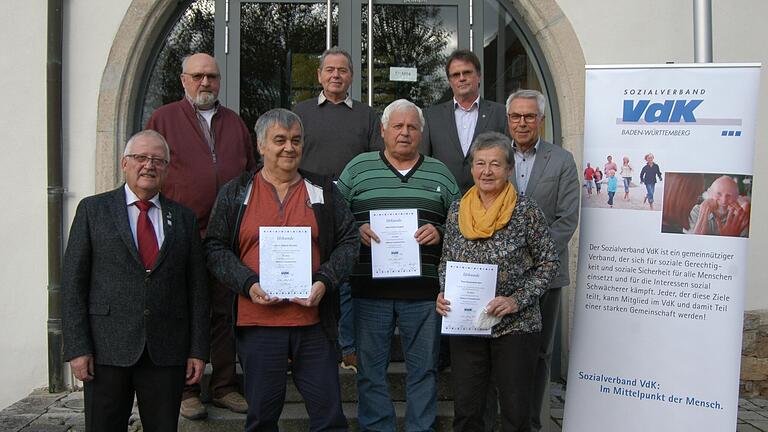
(328, 25)
(370, 53)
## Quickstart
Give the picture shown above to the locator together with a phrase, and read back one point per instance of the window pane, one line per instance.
(508, 62)
(280, 47)
(507, 66)
(419, 38)
(192, 33)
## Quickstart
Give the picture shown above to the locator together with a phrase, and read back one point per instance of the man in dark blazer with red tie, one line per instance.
(135, 296)
(450, 127)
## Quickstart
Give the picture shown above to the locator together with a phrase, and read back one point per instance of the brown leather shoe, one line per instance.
(193, 409)
(349, 361)
(232, 401)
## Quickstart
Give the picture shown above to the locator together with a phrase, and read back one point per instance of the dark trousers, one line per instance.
(264, 354)
(550, 312)
(109, 397)
(610, 197)
(223, 354)
(506, 362)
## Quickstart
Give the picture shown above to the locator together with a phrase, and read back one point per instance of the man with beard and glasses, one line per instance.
(210, 145)
(721, 213)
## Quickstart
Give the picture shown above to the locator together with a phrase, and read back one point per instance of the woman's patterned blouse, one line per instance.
(524, 253)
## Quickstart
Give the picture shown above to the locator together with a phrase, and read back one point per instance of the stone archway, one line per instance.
(565, 59)
(145, 20)
(141, 26)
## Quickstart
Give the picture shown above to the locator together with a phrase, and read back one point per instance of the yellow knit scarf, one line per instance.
(477, 222)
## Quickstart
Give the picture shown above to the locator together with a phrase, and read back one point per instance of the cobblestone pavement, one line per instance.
(63, 412)
(46, 412)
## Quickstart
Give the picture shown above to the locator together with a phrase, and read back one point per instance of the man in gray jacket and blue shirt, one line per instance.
(547, 173)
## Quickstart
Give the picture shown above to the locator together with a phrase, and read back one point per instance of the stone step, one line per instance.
(348, 383)
(294, 419)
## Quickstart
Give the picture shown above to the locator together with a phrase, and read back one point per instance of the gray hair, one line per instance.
(529, 94)
(185, 59)
(334, 50)
(489, 140)
(147, 133)
(401, 105)
(277, 116)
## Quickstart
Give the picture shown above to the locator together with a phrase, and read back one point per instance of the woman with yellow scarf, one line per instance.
(491, 224)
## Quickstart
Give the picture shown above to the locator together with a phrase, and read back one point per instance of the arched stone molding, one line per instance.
(141, 26)
(145, 20)
(565, 59)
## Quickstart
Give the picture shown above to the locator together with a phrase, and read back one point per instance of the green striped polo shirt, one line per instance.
(370, 182)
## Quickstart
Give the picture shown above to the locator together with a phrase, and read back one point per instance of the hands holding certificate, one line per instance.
(472, 287)
(259, 296)
(501, 306)
(497, 307)
(395, 238)
(425, 235)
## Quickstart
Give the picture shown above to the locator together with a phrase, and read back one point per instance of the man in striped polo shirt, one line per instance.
(398, 177)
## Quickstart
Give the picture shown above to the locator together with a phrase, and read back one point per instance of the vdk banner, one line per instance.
(665, 214)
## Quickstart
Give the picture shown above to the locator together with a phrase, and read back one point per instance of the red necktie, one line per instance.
(145, 235)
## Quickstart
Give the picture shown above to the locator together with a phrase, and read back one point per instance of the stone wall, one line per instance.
(754, 355)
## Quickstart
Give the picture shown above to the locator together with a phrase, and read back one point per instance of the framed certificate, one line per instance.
(397, 253)
(469, 287)
(285, 261)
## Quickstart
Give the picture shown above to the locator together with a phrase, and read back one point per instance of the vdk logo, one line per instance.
(669, 111)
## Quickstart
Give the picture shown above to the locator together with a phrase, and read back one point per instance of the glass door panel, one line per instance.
(410, 45)
(508, 62)
(275, 47)
(280, 44)
(193, 32)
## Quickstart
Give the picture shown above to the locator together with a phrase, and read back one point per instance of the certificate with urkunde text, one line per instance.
(397, 253)
(469, 287)
(285, 261)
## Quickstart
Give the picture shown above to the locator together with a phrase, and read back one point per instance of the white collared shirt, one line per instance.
(155, 216)
(466, 120)
(523, 165)
(321, 100)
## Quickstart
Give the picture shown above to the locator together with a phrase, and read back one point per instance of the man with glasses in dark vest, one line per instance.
(336, 129)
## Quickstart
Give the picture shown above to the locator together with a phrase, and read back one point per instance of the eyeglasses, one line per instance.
(529, 118)
(196, 77)
(143, 159)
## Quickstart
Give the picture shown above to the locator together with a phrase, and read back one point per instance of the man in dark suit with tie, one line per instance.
(547, 173)
(452, 126)
(134, 296)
